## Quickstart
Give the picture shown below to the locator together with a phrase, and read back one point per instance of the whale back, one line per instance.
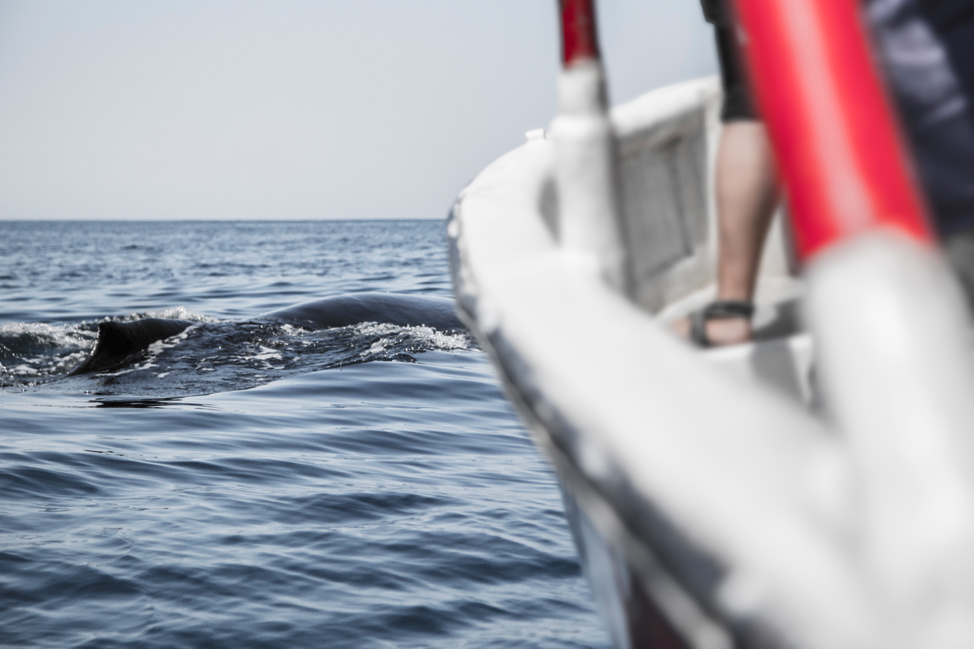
(119, 340)
(343, 310)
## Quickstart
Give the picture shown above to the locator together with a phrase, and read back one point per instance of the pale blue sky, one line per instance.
(292, 109)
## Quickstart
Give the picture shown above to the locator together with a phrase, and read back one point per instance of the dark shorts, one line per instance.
(738, 104)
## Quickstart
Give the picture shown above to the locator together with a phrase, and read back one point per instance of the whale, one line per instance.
(354, 308)
(119, 341)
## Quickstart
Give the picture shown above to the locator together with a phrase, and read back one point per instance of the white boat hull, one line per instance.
(711, 502)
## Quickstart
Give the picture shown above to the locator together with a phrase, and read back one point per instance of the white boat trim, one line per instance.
(715, 476)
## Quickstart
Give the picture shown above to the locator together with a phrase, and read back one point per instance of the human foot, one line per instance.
(720, 323)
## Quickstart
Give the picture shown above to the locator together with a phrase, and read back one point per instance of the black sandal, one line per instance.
(717, 310)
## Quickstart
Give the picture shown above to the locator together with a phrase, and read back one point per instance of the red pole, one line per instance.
(831, 125)
(578, 34)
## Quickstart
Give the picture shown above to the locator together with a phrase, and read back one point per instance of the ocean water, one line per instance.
(261, 485)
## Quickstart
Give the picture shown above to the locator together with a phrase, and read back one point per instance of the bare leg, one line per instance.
(746, 193)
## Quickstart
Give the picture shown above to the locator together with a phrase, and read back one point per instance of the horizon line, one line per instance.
(217, 219)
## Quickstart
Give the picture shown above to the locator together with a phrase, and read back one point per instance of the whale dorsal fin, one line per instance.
(119, 340)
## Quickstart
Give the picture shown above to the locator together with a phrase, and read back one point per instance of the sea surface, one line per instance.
(261, 485)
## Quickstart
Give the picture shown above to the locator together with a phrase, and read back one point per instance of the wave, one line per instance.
(211, 356)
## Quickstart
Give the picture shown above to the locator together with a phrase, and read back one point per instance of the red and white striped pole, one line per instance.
(589, 220)
(579, 37)
(833, 129)
(889, 322)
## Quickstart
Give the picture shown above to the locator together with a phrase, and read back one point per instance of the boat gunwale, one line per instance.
(507, 196)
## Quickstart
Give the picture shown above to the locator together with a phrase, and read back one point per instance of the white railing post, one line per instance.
(589, 219)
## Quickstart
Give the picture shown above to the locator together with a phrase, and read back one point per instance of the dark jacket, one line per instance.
(953, 20)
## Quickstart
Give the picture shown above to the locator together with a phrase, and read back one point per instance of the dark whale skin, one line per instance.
(354, 308)
(118, 341)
